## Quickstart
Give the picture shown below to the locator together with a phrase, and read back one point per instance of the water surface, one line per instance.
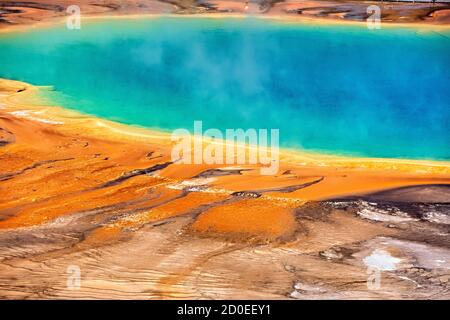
(328, 88)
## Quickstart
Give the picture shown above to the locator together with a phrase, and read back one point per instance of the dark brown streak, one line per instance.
(133, 173)
(288, 189)
(10, 175)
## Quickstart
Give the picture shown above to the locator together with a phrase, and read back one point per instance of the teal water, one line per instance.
(335, 89)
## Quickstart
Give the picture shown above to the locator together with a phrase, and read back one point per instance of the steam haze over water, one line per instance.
(328, 88)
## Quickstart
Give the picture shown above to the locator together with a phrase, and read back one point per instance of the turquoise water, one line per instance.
(335, 89)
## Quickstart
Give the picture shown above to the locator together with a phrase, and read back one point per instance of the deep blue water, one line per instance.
(328, 88)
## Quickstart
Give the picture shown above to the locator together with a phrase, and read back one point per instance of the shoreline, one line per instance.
(118, 130)
(281, 18)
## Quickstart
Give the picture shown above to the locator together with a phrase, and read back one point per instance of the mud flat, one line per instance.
(82, 193)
